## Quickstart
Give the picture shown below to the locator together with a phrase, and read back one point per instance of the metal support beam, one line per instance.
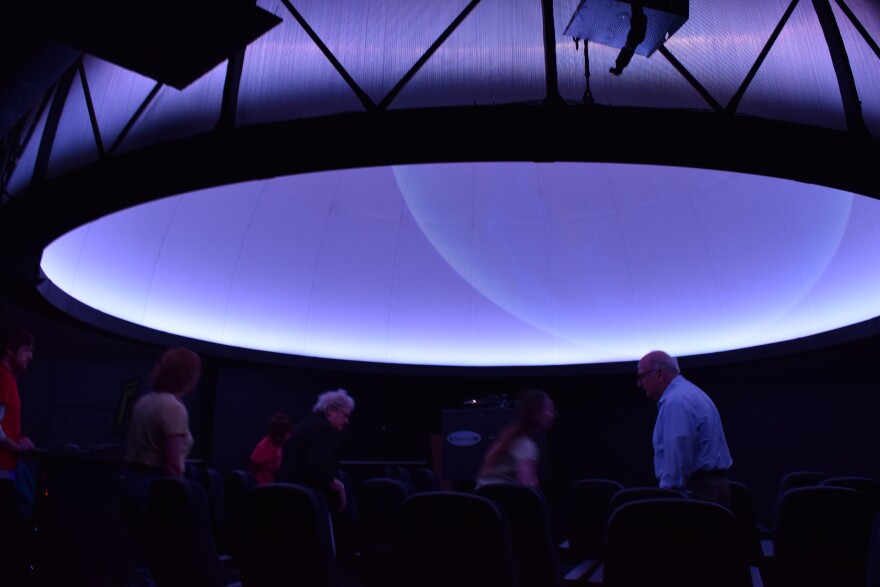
(852, 106)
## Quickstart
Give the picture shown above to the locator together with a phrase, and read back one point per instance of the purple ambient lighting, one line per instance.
(485, 264)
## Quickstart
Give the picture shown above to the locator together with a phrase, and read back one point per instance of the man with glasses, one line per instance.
(690, 451)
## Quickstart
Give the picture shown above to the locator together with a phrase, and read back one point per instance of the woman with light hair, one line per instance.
(513, 458)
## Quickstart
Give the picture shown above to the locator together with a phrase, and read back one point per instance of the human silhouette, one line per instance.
(638, 27)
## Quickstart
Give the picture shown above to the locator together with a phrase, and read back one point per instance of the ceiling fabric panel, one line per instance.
(806, 94)
(286, 76)
(495, 56)
(863, 60)
(175, 114)
(117, 94)
(75, 141)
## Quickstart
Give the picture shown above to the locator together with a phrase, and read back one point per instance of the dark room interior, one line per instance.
(433, 208)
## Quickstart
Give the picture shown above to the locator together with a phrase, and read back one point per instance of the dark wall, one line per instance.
(816, 409)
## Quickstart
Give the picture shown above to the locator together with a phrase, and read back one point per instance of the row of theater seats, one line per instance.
(826, 531)
(225, 496)
(823, 533)
(593, 501)
(230, 530)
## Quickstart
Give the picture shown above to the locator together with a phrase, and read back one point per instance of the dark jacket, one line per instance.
(311, 456)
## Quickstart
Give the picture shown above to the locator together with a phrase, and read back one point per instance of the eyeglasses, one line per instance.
(641, 376)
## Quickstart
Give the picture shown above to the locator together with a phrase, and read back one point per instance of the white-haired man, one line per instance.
(312, 459)
(690, 450)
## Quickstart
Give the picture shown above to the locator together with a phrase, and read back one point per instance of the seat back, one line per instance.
(794, 479)
(867, 486)
(821, 537)
(672, 541)
(287, 538)
(213, 483)
(873, 571)
(424, 479)
(380, 500)
(743, 508)
(452, 538)
(399, 473)
(589, 507)
(529, 519)
(236, 484)
(178, 541)
(628, 494)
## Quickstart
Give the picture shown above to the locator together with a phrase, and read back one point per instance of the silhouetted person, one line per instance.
(18, 351)
(514, 457)
(638, 27)
(690, 450)
(312, 460)
(266, 456)
(158, 443)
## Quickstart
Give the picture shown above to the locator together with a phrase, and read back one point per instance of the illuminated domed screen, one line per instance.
(485, 264)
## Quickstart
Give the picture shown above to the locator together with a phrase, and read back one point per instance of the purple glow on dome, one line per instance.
(485, 264)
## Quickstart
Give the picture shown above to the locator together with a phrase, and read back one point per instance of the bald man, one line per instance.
(690, 451)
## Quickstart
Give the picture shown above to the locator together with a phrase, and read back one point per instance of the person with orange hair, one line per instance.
(158, 443)
(159, 436)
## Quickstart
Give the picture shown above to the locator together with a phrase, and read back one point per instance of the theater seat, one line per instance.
(179, 544)
(454, 539)
(589, 503)
(628, 494)
(670, 541)
(821, 537)
(287, 538)
(236, 484)
(529, 520)
(380, 500)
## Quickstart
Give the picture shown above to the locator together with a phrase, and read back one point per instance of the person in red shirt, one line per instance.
(17, 352)
(266, 456)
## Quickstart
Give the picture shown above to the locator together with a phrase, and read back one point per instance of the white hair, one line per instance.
(663, 360)
(336, 398)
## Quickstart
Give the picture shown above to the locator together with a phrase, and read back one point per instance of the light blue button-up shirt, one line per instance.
(688, 435)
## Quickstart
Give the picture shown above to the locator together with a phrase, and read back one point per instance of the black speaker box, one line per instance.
(467, 435)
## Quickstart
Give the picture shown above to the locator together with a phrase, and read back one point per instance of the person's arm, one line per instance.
(10, 445)
(173, 456)
(339, 487)
(525, 453)
(527, 472)
(175, 424)
(259, 461)
(679, 450)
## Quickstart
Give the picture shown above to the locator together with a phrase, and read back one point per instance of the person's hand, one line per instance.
(339, 488)
(26, 444)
